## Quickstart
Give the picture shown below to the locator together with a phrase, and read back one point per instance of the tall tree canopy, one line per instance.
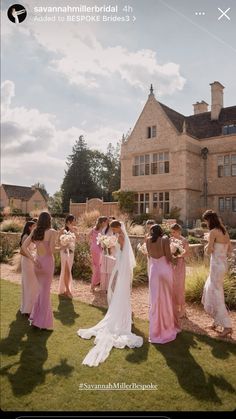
(90, 174)
(78, 183)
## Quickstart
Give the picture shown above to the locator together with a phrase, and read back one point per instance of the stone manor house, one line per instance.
(171, 160)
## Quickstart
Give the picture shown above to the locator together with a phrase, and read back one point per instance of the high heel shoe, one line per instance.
(227, 331)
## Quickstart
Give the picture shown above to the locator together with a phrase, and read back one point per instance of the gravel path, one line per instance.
(197, 320)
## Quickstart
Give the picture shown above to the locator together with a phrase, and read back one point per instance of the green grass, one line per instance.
(43, 371)
(195, 280)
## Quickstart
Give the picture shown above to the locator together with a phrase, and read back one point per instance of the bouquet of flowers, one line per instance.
(206, 236)
(106, 242)
(67, 240)
(176, 247)
(142, 248)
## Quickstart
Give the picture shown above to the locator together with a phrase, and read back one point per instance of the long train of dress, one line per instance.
(114, 330)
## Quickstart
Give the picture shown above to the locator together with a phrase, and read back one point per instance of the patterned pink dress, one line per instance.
(96, 253)
(162, 327)
(213, 292)
(41, 315)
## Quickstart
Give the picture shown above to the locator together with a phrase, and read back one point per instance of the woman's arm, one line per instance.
(53, 240)
(210, 246)
(185, 253)
(230, 247)
(166, 248)
(25, 245)
(148, 247)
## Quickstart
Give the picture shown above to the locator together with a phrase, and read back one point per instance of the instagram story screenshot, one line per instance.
(118, 208)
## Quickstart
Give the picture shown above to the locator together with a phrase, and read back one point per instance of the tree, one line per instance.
(41, 187)
(126, 200)
(55, 203)
(111, 171)
(78, 184)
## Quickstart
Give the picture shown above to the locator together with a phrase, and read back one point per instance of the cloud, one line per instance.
(7, 93)
(34, 149)
(84, 61)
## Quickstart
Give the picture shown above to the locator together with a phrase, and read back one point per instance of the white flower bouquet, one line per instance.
(67, 240)
(176, 247)
(142, 248)
(106, 242)
(206, 237)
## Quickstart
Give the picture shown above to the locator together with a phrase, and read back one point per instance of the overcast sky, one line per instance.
(63, 79)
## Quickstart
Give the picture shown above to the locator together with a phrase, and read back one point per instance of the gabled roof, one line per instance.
(19, 192)
(201, 126)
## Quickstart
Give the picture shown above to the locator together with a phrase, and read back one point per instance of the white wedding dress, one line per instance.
(114, 330)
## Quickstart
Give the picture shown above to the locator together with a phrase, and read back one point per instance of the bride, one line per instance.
(115, 328)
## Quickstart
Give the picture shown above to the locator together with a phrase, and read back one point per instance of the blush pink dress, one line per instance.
(41, 315)
(162, 327)
(179, 281)
(96, 253)
(29, 282)
(67, 257)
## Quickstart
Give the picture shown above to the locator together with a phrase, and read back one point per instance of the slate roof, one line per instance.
(201, 126)
(19, 192)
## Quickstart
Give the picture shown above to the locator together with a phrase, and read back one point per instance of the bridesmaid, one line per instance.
(148, 225)
(179, 274)
(96, 251)
(218, 247)
(67, 258)
(107, 260)
(44, 238)
(28, 278)
(161, 315)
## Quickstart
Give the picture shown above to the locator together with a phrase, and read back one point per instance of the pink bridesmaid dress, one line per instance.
(179, 281)
(67, 257)
(29, 283)
(162, 327)
(41, 315)
(96, 253)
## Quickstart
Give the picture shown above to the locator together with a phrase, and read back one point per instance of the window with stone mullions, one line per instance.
(143, 203)
(160, 163)
(141, 165)
(226, 165)
(161, 200)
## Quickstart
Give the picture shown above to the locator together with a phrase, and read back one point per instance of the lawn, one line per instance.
(42, 370)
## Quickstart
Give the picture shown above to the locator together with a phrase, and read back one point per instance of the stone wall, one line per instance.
(14, 238)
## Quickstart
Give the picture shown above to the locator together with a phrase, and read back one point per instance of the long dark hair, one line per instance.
(43, 224)
(214, 221)
(115, 224)
(69, 219)
(156, 232)
(26, 230)
(99, 222)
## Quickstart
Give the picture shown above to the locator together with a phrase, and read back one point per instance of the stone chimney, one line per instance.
(200, 107)
(216, 99)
